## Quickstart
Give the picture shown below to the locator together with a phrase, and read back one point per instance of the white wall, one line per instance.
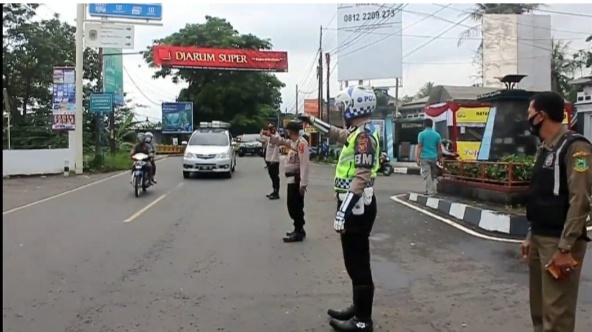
(517, 44)
(30, 162)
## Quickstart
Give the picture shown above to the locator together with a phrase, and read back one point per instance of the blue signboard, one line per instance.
(177, 118)
(63, 99)
(101, 103)
(141, 11)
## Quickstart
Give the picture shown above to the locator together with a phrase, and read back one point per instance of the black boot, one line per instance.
(270, 194)
(344, 314)
(295, 237)
(302, 232)
(274, 195)
(352, 325)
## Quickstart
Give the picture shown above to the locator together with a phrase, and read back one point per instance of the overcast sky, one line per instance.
(295, 29)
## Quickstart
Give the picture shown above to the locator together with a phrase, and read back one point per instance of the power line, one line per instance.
(456, 37)
(519, 23)
(564, 13)
(137, 87)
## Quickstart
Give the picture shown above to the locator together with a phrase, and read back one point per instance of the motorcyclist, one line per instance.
(148, 137)
(142, 147)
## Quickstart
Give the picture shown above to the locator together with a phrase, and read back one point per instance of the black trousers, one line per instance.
(273, 169)
(355, 244)
(296, 203)
(153, 163)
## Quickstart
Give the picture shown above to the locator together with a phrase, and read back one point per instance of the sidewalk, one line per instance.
(486, 219)
(402, 167)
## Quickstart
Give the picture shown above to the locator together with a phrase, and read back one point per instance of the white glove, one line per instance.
(339, 222)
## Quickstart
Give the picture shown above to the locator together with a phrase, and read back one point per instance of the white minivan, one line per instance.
(210, 150)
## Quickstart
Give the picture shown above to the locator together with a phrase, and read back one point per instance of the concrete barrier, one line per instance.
(170, 149)
(35, 162)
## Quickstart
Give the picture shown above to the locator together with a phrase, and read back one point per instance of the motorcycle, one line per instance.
(447, 155)
(140, 176)
(385, 165)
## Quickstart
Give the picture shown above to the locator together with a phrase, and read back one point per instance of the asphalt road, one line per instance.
(207, 256)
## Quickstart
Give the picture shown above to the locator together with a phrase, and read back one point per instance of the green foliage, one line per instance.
(30, 50)
(120, 161)
(498, 172)
(245, 99)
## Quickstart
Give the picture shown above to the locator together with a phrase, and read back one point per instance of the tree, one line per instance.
(480, 10)
(564, 67)
(245, 99)
(30, 49)
(425, 90)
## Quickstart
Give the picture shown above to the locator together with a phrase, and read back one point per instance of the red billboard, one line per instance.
(219, 58)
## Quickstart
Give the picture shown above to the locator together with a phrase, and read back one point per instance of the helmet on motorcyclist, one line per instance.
(356, 102)
(148, 137)
(140, 137)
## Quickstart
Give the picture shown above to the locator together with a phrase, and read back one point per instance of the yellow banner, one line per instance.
(468, 150)
(565, 120)
(472, 115)
(310, 130)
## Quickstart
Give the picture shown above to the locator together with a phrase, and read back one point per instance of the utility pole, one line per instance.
(296, 110)
(320, 76)
(8, 115)
(75, 139)
(328, 61)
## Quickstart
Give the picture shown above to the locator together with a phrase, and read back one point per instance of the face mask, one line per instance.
(534, 129)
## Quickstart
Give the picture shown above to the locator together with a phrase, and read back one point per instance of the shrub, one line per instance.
(110, 162)
(498, 172)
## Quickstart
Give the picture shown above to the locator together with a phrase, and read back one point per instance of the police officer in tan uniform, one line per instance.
(557, 209)
(296, 169)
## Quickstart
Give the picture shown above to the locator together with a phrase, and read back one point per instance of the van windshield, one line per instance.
(211, 139)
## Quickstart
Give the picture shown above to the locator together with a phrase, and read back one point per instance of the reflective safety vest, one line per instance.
(346, 168)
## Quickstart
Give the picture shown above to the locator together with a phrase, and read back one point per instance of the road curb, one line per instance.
(406, 170)
(481, 220)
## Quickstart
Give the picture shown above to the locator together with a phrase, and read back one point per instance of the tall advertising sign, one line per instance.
(177, 118)
(311, 107)
(219, 58)
(113, 74)
(63, 99)
(370, 41)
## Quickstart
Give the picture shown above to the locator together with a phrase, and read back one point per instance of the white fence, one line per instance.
(31, 162)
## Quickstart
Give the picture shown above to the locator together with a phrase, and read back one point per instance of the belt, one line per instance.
(289, 175)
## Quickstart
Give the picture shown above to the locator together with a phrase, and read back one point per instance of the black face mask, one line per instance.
(535, 129)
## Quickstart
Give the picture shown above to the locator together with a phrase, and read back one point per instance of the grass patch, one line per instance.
(120, 161)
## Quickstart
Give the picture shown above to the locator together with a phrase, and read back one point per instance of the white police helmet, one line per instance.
(356, 102)
(148, 137)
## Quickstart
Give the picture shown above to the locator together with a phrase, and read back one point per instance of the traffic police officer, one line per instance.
(296, 169)
(356, 204)
(557, 209)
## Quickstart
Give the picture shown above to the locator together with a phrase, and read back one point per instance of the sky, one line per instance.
(295, 28)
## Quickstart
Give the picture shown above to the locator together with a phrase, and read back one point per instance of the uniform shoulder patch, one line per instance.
(301, 147)
(362, 142)
(581, 162)
(581, 154)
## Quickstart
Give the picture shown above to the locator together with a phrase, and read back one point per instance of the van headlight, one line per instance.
(223, 156)
(189, 155)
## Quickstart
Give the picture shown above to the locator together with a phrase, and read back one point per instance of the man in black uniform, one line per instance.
(557, 209)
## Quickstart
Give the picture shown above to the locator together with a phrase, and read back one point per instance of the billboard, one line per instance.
(113, 74)
(311, 107)
(63, 100)
(472, 115)
(177, 118)
(370, 41)
(219, 58)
